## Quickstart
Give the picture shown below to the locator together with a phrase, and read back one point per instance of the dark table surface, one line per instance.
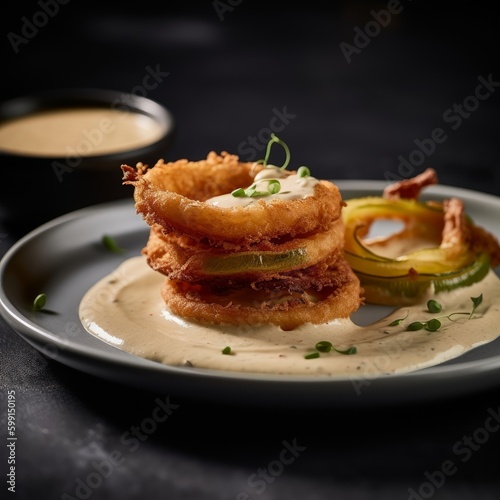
(350, 107)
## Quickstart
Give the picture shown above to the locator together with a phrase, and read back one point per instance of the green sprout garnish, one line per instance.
(398, 321)
(273, 185)
(435, 324)
(39, 302)
(227, 350)
(111, 244)
(275, 139)
(312, 355)
(434, 306)
(303, 171)
(326, 346)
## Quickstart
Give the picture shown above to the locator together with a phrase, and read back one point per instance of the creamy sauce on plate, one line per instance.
(125, 309)
(78, 131)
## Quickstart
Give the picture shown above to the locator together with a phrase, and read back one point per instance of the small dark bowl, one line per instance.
(37, 188)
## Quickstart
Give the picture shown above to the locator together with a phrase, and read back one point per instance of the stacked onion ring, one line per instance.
(277, 259)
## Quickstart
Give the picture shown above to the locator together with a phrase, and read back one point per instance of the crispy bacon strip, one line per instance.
(410, 188)
(459, 232)
(456, 231)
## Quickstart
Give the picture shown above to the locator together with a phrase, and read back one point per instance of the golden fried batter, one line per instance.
(172, 195)
(287, 309)
(182, 258)
(275, 260)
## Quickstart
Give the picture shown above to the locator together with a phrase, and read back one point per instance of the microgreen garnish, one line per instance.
(273, 187)
(435, 324)
(303, 171)
(39, 302)
(476, 301)
(398, 321)
(226, 350)
(312, 355)
(326, 346)
(274, 139)
(434, 306)
(111, 244)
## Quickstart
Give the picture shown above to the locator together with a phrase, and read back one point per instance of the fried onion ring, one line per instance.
(172, 195)
(245, 306)
(181, 258)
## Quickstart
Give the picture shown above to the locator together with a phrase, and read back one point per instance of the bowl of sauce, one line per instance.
(62, 150)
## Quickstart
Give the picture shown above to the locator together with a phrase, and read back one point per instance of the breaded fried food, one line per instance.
(183, 258)
(287, 308)
(173, 195)
(245, 243)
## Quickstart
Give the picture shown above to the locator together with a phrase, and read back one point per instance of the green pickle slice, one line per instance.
(254, 262)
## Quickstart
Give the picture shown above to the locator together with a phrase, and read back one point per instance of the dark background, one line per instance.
(227, 77)
(350, 120)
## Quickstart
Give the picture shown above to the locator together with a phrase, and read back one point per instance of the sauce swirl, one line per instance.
(125, 309)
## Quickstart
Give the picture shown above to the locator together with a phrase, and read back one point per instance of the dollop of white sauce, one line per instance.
(292, 187)
(125, 309)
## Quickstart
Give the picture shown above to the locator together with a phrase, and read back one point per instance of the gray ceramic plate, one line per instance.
(64, 257)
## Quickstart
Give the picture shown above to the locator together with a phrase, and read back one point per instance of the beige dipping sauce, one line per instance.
(78, 131)
(125, 309)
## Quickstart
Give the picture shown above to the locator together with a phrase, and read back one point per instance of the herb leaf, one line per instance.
(434, 306)
(111, 244)
(303, 171)
(476, 301)
(433, 324)
(39, 302)
(227, 350)
(398, 321)
(326, 346)
(312, 355)
(416, 325)
(348, 351)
